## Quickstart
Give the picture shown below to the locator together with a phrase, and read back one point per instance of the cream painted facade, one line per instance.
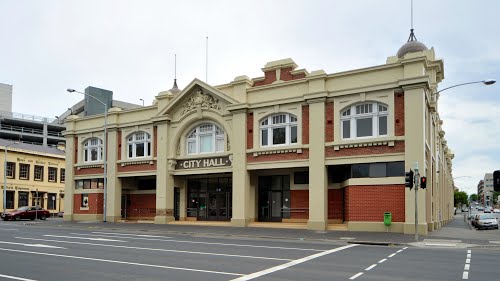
(302, 165)
(28, 189)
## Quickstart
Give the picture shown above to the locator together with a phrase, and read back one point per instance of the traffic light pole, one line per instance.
(416, 182)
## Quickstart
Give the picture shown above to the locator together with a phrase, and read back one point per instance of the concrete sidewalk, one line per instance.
(457, 231)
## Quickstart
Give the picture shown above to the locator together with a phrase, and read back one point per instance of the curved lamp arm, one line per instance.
(485, 82)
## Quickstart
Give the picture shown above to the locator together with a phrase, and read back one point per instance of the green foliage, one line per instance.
(460, 198)
(495, 197)
(473, 197)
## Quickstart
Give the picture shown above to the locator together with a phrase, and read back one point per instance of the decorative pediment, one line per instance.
(197, 95)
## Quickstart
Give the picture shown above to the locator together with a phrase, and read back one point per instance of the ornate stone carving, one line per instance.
(202, 100)
(171, 164)
(228, 144)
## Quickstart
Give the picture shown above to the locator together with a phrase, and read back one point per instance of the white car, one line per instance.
(486, 221)
(488, 209)
(496, 211)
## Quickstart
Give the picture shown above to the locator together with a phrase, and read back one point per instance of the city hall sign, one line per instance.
(203, 163)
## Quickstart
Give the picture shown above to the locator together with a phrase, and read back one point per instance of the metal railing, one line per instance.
(29, 130)
(26, 116)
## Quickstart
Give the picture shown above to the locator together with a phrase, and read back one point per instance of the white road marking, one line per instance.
(8, 229)
(469, 256)
(468, 251)
(16, 278)
(122, 262)
(206, 243)
(465, 275)
(399, 251)
(370, 267)
(441, 244)
(467, 267)
(467, 260)
(405, 248)
(392, 255)
(356, 276)
(137, 235)
(85, 238)
(153, 249)
(382, 260)
(347, 238)
(292, 263)
(31, 245)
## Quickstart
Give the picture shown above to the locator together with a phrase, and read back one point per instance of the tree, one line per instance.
(460, 198)
(473, 197)
(495, 197)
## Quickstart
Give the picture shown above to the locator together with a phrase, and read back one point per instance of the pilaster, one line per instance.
(114, 187)
(164, 180)
(241, 177)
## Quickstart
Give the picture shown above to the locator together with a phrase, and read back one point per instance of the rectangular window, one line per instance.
(130, 151)
(11, 170)
(79, 184)
(206, 143)
(62, 177)
(51, 201)
(191, 147)
(139, 150)
(24, 171)
(377, 170)
(10, 200)
(301, 177)
(396, 169)
(52, 174)
(38, 173)
(22, 199)
(85, 201)
(264, 137)
(360, 170)
(364, 127)
(346, 129)
(93, 154)
(219, 144)
(382, 125)
(293, 134)
(279, 135)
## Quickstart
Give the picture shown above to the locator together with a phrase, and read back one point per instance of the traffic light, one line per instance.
(423, 182)
(496, 180)
(409, 179)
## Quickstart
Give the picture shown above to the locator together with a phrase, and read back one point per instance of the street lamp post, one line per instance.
(104, 146)
(5, 176)
(485, 82)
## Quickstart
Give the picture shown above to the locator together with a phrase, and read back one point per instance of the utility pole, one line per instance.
(416, 183)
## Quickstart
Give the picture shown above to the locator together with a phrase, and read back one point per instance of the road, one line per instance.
(58, 253)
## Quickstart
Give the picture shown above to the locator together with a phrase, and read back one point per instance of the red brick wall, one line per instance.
(335, 204)
(329, 122)
(399, 146)
(305, 124)
(399, 114)
(136, 168)
(155, 141)
(270, 77)
(75, 145)
(250, 130)
(119, 142)
(141, 205)
(299, 199)
(368, 203)
(285, 74)
(89, 171)
(278, 156)
(95, 204)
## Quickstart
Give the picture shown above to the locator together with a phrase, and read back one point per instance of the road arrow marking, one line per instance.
(84, 238)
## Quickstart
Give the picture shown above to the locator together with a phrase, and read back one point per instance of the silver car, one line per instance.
(486, 221)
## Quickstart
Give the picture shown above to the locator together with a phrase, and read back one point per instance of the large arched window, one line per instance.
(139, 145)
(279, 129)
(206, 138)
(364, 120)
(92, 150)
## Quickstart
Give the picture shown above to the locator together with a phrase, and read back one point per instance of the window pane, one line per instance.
(264, 137)
(130, 151)
(191, 147)
(279, 135)
(293, 134)
(139, 150)
(93, 154)
(364, 127)
(360, 170)
(219, 144)
(346, 129)
(382, 125)
(377, 170)
(395, 169)
(206, 144)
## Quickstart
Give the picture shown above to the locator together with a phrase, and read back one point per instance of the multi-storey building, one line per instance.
(486, 196)
(480, 190)
(291, 146)
(34, 174)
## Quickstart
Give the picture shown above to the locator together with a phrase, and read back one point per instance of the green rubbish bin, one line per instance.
(387, 218)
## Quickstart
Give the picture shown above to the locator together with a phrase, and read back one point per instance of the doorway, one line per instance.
(274, 198)
(210, 199)
(177, 199)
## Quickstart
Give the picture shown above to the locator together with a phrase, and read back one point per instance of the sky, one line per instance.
(129, 46)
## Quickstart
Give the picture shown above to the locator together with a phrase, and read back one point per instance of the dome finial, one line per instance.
(412, 45)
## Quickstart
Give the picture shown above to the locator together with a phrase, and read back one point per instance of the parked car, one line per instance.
(480, 209)
(496, 211)
(488, 209)
(486, 221)
(26, 213)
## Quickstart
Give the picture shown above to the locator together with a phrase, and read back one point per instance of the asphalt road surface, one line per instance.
(50, 253)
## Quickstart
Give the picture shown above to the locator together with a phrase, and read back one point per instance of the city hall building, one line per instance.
(293, 146)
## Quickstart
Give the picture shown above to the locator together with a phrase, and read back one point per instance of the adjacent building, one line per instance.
(309, 147)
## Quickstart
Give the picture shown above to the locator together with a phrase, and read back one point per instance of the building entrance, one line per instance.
(274, 198)
(210, 199)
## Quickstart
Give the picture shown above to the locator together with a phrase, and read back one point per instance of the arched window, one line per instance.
(139, 145)
(364, 120)
(206, 138)
(279, 129)
(92, 150)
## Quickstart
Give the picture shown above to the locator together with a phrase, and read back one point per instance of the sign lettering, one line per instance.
(203, 163)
